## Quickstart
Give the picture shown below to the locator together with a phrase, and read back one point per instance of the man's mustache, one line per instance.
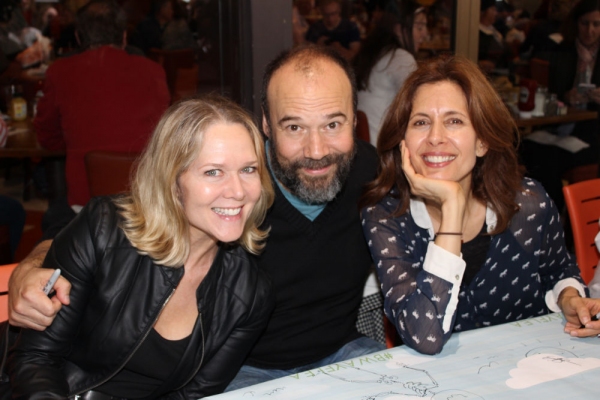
(309, 163)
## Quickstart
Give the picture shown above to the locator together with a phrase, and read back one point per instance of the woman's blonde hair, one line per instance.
(154, 218)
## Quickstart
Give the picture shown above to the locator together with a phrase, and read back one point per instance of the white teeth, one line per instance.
(227, 211)
(438, 159)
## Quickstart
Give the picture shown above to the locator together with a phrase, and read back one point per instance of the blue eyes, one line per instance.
(218, 172)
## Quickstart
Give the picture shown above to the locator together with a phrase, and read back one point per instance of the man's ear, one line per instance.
(77, 38)
(124, 40)
(265, 125)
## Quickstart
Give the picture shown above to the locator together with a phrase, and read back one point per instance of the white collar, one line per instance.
(423, 220)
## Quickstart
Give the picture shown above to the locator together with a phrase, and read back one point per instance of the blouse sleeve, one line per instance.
(420, 281)
(558, 268)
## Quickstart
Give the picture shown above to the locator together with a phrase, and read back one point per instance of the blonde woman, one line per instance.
(165, 300)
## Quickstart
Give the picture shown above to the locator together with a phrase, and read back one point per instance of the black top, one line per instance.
(149, 367)
(474, 253)
(318, 270)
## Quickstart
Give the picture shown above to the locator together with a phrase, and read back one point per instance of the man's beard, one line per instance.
(310, 189)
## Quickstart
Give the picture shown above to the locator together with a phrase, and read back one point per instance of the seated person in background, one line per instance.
(493, 51)
(544, 36)
(335, 31)
(10, 41)
(165, 301)
(386, 58)
(460, 240)
(573, 63)
(177, 34)
(100, 99)
(148, 34)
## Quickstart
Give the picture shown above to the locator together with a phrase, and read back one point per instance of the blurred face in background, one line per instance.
(488, 16)
(332, 15)
(166, 12)
(419, 31)
(588, 28)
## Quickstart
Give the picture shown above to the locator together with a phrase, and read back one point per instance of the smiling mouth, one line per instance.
(317, 171)
(438, 159)
(229, 212)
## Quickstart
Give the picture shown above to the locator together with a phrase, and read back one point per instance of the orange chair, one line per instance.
(392, 339)
(583, 204)
(109, 172)
(5, 271)
(362, 126)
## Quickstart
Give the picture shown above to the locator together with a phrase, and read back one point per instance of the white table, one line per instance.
(531, 359)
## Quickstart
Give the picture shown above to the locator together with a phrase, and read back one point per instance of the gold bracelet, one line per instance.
(449, 233)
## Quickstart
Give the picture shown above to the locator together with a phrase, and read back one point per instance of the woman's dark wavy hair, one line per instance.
(383, 39)
(569, 27)
(496, 176)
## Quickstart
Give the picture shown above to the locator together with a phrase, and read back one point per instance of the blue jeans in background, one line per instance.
(249, 375)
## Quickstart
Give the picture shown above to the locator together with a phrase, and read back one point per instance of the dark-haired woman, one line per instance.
(460, 239)
(386, 58)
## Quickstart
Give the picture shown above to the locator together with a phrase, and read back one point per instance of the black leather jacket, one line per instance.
(116, 297)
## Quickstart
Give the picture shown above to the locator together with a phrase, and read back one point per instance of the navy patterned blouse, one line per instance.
(526, 267)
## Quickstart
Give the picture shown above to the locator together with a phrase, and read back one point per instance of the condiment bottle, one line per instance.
(39, 94)
(552, 105)
(540, 101)
(527, 94)
(18, 105)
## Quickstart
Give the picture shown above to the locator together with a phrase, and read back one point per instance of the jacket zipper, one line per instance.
(76, 396)
(201, 358)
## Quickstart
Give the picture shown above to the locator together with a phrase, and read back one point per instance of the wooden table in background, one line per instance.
(22, 144)
(573, 115)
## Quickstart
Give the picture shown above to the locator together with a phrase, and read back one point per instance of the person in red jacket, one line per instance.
(99, 99)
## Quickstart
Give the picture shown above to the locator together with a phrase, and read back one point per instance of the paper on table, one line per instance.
(569, 143)
(522, 360)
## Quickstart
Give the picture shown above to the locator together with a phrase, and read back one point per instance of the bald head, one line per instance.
(308, 61)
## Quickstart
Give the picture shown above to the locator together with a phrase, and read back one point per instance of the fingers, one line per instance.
(62, 288)
(581, 332)
(407, 167)
(28, 305)
(34, 311)
(580, 315)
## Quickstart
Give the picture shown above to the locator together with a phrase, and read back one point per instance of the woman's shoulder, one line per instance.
(531, 191)
(243, 275)
(384, 208)
(237, 259)
(533, 198)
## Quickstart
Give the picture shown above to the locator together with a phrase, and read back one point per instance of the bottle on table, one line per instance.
(18, 106)
(552, 105)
